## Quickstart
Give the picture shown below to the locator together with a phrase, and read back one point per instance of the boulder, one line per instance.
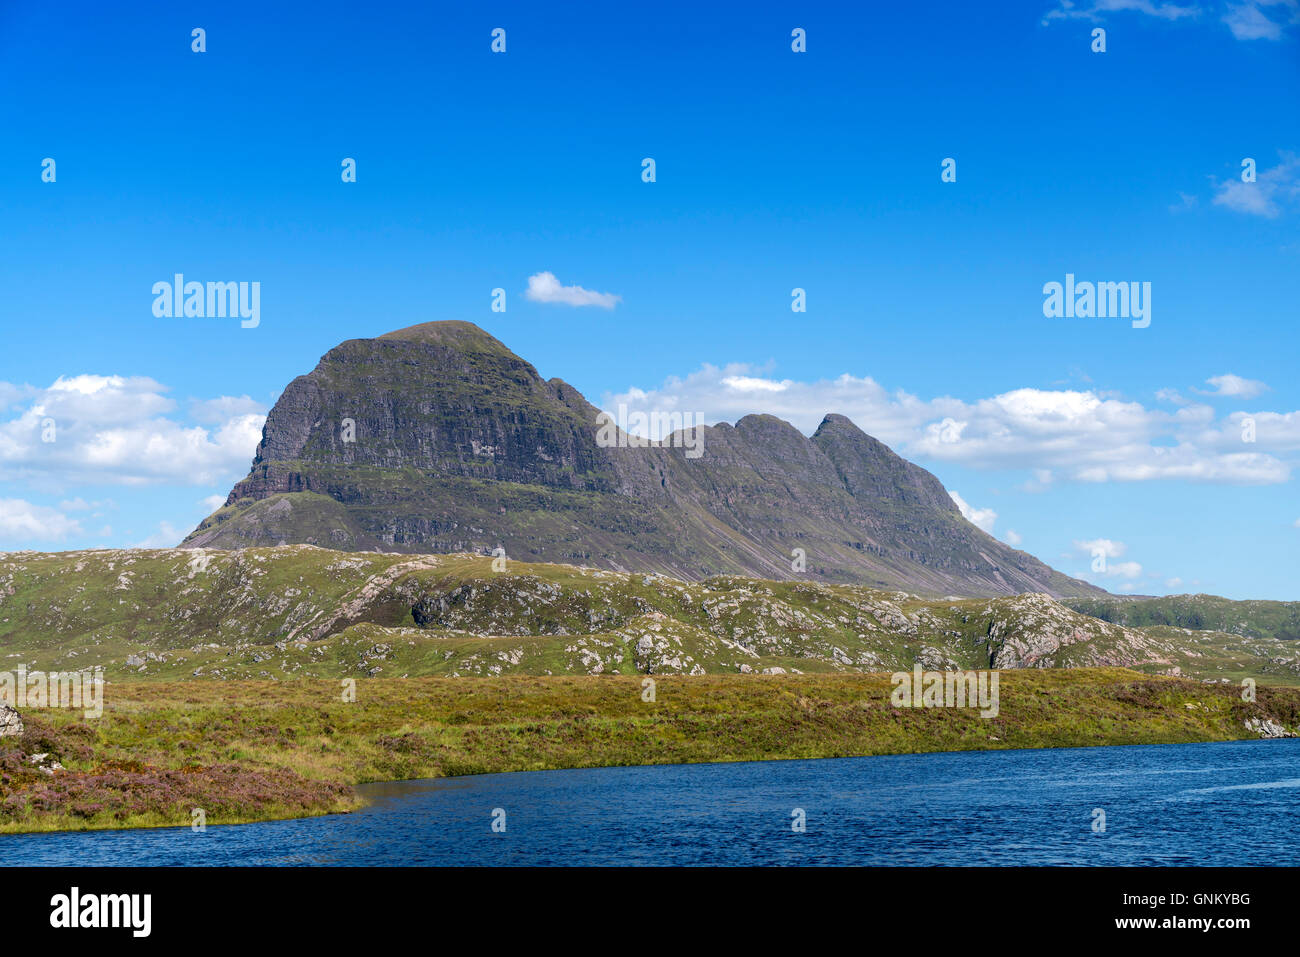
(1267, 728)
(11, 722)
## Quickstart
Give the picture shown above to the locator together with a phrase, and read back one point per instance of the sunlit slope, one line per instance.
(302, 611)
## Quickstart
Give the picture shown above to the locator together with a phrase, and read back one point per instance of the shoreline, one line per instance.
(256, 751)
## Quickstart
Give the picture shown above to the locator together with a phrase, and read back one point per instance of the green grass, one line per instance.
(305, 612)
(1252, 619)
(259, 750)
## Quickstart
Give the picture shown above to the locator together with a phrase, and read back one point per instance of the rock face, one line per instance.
(11, 722)
(439, 439)
(1268, 728)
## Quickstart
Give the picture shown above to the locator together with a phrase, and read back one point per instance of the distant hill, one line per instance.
(1254, 619)
(460, 446)
(298, 611)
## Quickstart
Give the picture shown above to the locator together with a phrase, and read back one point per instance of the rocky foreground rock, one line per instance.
(11, 722)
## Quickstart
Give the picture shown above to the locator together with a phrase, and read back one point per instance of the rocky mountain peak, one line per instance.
(438, 438)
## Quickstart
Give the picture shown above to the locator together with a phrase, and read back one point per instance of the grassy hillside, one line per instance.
(300, 611)
(253, 750)
(1252, 619)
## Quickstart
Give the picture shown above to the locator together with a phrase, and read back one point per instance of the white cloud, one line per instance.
(1110, 549)
(213, 502)
(1013, 537)
(20, 520)
(1063, 434)
(743, 383)
(166, 536)
(1092, 548)
(1174, 582)
(224, 408)
(1042, 480)
(11, 394)
(979, 517)
(1248, 21)
(119, 430)
(1098, 9)
(544, 287)
(1273, 190)
(1234, 386)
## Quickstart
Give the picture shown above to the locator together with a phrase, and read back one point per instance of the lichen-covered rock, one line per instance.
(1268, 728)
(11, 722)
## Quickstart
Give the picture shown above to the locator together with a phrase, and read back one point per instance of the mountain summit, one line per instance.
(438, 438)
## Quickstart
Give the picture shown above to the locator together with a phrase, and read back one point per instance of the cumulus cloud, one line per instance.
(1108, 549)
(1234, 386)
(1273, 191)
(121, 430)
(744, 383)
(1012, 537)
(544, 287)
(224, 408)
(1061, 434)
(21, 521)
(983, 518)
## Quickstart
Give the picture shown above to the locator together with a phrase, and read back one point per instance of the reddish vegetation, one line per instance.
(121, 791)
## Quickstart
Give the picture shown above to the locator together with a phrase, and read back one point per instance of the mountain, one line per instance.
(438, 439)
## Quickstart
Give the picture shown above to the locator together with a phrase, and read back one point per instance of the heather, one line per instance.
(255, 750)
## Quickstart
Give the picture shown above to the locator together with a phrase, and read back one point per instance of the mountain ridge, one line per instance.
(438, 438)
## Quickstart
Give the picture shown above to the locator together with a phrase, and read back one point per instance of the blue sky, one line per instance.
(774, 170)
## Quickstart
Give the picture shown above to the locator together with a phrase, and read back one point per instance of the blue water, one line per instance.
(1235, 803)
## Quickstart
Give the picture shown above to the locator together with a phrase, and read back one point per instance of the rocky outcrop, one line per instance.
(11, 722)
(298, 611)
(439, 439)
(1268, 728)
